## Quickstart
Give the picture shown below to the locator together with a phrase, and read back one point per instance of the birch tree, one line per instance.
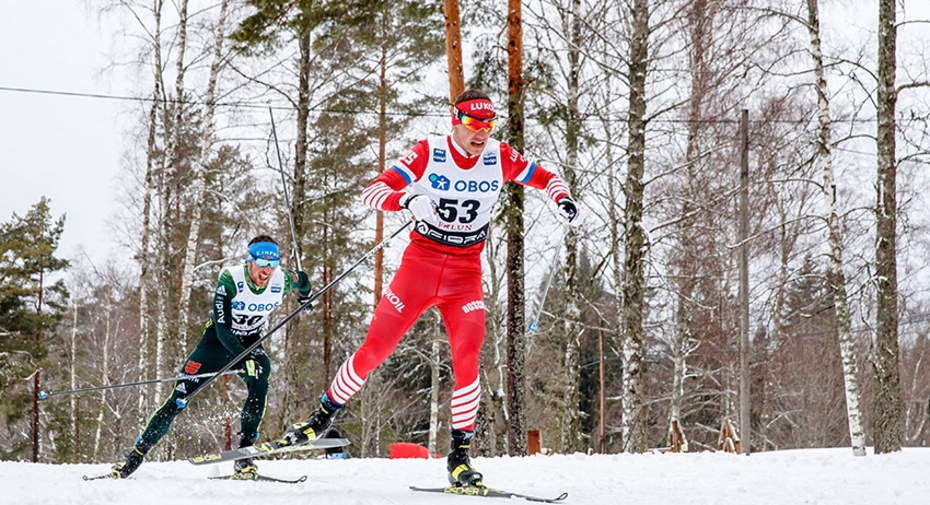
(203, 151)
(143, 256)
(169, 189)
(835, 275)
(635, 244)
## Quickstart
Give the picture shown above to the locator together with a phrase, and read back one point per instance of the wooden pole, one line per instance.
(744, 283)
(454, 48)
(512, 196)
(601, 428)
(36, 383)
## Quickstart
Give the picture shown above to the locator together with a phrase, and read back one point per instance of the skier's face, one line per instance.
(472, 141)
(260, 275)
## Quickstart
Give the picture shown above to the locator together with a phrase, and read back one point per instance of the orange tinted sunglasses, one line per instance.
(474, 124)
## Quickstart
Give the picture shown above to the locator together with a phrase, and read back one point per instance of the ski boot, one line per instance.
(128, 465)
(461, 471)
(246, 469)
(314, 427)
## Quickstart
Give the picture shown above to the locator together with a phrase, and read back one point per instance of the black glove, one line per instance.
(250, 367)
(304, 301)
(569, 211)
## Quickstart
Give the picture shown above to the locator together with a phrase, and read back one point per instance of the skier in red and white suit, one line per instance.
(454, 181)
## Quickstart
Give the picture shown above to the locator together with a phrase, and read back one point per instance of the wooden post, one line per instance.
(454, 48)
(729, 438)
(744, 280)
(512, 201)
(601, 428)
(36, 381)
(532, 442)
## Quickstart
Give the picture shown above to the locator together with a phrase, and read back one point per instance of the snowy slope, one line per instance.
(813, 476)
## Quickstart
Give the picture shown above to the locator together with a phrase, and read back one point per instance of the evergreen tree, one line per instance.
(31, 304)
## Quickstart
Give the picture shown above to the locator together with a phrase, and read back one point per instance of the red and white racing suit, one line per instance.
(442, 264)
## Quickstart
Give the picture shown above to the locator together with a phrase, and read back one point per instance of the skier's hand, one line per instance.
(251, 367)
(569, 211)
(304, 300)
(422, 208)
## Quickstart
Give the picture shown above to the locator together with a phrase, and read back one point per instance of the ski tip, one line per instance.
(97, 477)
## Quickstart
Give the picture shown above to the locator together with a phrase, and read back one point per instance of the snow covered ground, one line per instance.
(812, 476)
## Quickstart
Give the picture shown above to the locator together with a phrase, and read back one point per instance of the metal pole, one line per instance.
(744, 405)
(534, 324)
(45, 394)
(287, 198)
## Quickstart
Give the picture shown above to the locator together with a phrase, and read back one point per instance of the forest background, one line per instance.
(637, 104)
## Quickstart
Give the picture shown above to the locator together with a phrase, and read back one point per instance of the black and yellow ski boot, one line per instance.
(128, 465)
(246, 469)
(314, 427)
(461, 471)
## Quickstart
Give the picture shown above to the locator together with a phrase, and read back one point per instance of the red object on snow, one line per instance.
(407, 450)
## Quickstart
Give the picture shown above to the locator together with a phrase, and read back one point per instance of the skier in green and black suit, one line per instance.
(244, 297)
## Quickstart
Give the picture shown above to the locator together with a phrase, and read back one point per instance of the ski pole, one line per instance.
(287, 198)
(45, 394)
(309, 304)
(534, 324)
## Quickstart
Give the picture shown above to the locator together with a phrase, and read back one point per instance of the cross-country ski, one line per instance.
(258, 478)
(483, 491)
(265, 449)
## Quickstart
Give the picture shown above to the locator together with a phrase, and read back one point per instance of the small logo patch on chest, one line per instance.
(439, 182)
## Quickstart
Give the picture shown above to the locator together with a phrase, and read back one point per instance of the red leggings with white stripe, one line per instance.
(428, 276)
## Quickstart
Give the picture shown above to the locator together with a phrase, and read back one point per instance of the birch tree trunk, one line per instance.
(199, 172)
(614, 221)
(144, 253)
(143, 257)
(634, 432)
(887, 411)
(105, 374)
(513, 219)
(570, 430)
(168, 177)
(700, 21)
(835, 275)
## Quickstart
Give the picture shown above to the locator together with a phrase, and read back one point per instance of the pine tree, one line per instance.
(31, 304)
